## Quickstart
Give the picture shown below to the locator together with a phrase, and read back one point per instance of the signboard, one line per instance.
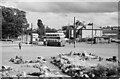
(35, 35)
(72, 33)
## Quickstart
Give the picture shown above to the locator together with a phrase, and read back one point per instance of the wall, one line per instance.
(88, 33)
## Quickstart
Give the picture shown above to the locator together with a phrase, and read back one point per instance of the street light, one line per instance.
(76, 25)
(31, 41)
(74, 32)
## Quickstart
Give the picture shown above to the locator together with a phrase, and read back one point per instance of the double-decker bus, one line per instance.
(54, 39)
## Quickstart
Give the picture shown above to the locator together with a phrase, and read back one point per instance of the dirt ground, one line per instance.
(32, 51)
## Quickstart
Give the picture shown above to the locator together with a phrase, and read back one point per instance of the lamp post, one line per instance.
(31, 41)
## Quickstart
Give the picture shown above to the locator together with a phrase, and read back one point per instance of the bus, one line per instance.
(54, 39)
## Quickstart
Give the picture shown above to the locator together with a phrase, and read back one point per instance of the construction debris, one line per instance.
(38, 64)
(20, 60)
(85, 65)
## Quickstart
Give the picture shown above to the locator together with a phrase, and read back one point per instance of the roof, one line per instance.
(55, 33)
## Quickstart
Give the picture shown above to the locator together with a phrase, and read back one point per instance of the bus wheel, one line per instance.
(59, 44)
(63, 45)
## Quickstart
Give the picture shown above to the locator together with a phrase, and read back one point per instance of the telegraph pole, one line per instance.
(92, 33)
(31, 34)
(74, 32)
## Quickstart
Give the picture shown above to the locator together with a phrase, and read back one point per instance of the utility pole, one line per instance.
(92, 34)
(74, 32)
(31, 34)
(22, 34)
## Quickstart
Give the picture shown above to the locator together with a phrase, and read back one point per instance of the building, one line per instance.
(24, 38)
(112, 32)
(87, 32)
(28, 38)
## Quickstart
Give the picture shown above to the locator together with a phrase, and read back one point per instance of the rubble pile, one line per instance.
(34, 68)
(39, 59)
(20, 60)
(17, 60)
(7, 71)
(85, 65)
(44, 71)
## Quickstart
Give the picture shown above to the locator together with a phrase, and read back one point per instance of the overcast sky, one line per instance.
(56, 13)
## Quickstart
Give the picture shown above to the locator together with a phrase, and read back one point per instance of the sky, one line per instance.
(57, 13)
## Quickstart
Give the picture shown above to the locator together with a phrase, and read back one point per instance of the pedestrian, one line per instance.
(20, 45)
(12, 40)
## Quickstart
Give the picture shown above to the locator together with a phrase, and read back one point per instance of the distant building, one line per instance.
(112, 32)
(83, 33)
(35, 37)
(24, 38)
(27, 38)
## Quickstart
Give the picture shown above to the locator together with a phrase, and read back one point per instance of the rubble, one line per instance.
(17, 60)
(84, 65)
(20, 60)
(6, 71)
(39, 64)
(6, 68)
(113, 59)
(73, 64)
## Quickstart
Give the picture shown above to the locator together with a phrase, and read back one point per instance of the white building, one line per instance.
(88, 33)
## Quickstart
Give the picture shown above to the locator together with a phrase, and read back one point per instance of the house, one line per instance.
(112, 32)
(81, 32)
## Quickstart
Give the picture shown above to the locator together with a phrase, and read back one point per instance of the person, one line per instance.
(12, 40)
(20, 45)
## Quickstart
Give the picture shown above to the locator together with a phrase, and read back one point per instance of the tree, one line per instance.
(49, 30)
(14, 22)
(65, 27)
(41, 28)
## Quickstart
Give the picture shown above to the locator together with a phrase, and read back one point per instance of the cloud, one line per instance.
(73, 6)
(61, 0)
(57, 14)
(69, 7)
(58, 20)
(68, 0)
(8, 4)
